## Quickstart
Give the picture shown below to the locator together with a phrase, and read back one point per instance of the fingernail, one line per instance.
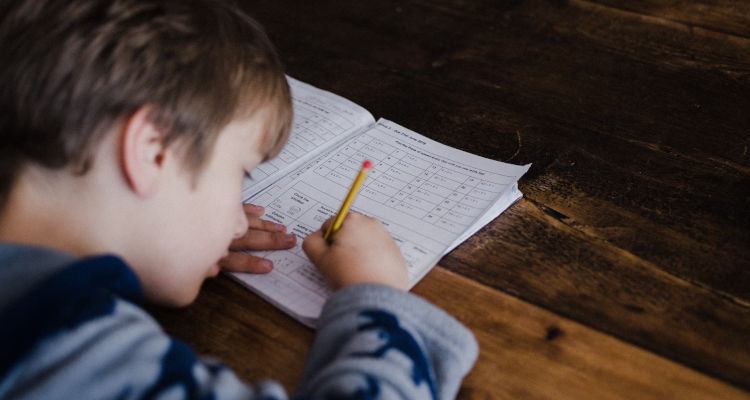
(266, 264)
(290, 238)
(258, 208)
(280, 228)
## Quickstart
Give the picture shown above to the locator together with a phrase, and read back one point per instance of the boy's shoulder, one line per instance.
(46, 292)
(24, 266)
(32, 276)
(73, 321)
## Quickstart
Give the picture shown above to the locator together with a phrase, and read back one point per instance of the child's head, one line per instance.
(76, 72)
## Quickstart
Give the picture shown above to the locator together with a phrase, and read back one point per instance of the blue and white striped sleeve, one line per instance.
(376, 342)
(82, 335)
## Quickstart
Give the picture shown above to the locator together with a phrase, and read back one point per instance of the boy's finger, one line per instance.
(351, 216)
(263, 240)
(242, 262)
(254, 222)
(252, 209)
(326, 224)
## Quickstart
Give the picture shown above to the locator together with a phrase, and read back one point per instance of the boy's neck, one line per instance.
(59, 210)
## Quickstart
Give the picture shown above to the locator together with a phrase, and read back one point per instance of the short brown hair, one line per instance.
(73, 69)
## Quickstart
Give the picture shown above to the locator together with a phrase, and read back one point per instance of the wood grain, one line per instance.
(611, 289)
(729, 17)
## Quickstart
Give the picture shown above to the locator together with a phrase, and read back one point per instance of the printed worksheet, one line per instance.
(430, 197)
(321, 120)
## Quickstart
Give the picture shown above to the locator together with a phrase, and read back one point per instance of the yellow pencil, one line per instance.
(336, 224)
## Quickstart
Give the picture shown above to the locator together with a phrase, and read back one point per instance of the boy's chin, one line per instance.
(174, 300)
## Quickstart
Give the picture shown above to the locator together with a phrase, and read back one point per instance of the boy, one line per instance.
(126, 129)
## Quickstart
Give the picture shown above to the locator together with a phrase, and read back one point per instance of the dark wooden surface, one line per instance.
(625, 270)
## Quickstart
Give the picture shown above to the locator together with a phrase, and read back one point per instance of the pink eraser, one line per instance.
(367, 164)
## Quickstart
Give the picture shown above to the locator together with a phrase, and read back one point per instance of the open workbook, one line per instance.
(431, 197)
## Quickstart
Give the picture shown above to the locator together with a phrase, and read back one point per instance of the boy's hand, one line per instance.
(361, 251)
(260, 235)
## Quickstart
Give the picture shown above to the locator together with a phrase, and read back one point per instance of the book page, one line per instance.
(429, 196)
(321, 119)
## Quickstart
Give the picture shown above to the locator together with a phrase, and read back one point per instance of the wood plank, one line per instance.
(525, 351)
(532, 255)
(530, 353)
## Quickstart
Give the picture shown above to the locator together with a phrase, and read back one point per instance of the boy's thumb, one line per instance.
(314, 245)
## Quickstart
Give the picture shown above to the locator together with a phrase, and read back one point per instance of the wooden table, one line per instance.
(624, 272)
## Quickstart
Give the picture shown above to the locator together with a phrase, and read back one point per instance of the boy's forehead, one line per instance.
(249, 133)
(272, 129)
(268, 122)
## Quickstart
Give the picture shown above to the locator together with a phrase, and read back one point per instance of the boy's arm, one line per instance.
(374, 343)
(378, 342)
(375, 340)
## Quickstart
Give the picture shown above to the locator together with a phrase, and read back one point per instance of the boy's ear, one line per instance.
(142, 153)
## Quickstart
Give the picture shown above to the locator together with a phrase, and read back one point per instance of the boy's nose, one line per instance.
(241, 227)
